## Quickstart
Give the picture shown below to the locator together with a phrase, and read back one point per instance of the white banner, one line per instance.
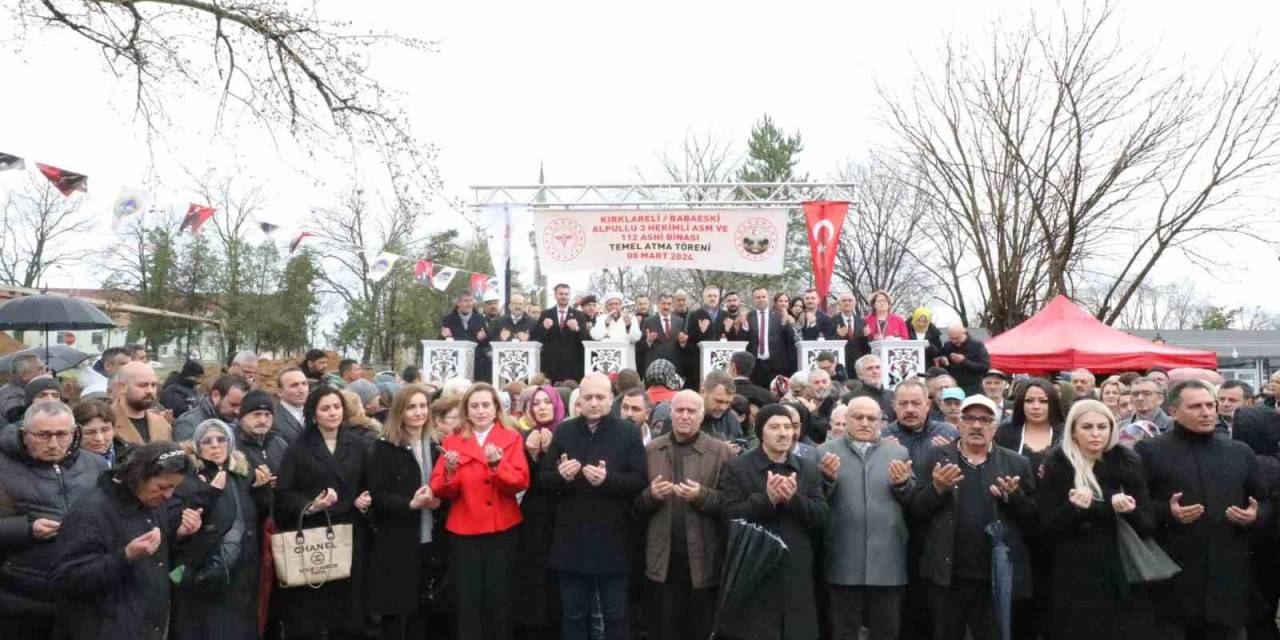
(738, 240)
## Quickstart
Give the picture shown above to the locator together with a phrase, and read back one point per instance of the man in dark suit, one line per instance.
(516, 324)
(851, 328)
(466, 322)
(769, 341)
(662, 336)
(816, 322)
(561, 330)
(596, 467)
(708, 322)
(740, 367)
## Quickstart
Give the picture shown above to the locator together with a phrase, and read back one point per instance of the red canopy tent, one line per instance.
(1063, 337)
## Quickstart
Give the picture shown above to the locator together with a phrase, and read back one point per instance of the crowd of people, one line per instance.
(959, 504)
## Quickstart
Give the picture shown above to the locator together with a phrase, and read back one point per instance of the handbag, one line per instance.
(1144, 561)
(313, 556)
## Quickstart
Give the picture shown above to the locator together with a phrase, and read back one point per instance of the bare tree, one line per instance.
(38, 226)
(879, 232)
(1055, 152)
(280, 63)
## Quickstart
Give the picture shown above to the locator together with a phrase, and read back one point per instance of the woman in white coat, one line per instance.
(615, 324)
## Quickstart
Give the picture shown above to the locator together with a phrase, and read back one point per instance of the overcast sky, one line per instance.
(592, 90)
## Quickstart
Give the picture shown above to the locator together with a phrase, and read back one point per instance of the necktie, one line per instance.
(562, 317)
(764, 342)
(666, 326)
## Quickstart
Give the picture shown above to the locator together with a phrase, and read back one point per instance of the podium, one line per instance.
(515, 361)
(607, 356)
(809, 350)
(899, 360)
(444, 359)
(715, 354)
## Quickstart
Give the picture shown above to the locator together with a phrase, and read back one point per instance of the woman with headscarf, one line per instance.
(882, 322)
(119, 543)
(405, 532)
(217, 597)
(1088, 484)
(921, 327)
(661, 381)
(772, 487)
(537, 603)
(323, 479)
(1259, 427)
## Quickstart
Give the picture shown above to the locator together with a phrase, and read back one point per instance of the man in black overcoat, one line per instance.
(772, 353)
(466, 322)
(660, 336)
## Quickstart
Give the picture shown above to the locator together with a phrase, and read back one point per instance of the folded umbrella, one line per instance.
(753, 553)
(1001, 580)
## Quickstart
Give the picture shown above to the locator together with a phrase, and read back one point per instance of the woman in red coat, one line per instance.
(882, 322)
(484, 468)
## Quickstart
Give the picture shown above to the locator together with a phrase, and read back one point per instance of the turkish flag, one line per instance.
(64, 181)
(824, 219)
(196, 216)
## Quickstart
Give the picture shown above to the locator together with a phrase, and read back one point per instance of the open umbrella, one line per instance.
(1001, 580)
(45, 312)
(57, 357)
(753, 553)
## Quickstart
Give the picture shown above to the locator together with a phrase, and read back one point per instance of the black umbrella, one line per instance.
(59, 313)
(1001, 579)
(753, 554)
(57, 357)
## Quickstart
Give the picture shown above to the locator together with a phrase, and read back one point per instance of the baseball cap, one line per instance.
(980, 401)
(953, 393)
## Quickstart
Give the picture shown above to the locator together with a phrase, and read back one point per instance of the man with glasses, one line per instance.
(1147, 400)
(973, 482)
(41, 474)
(1208, 497)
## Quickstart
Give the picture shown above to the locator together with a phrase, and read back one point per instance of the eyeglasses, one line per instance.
(46, 436)
(985, 421)
(214, 440)
(1144, 393)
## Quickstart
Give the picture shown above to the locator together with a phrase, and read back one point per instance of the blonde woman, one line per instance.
(1110, 391)
(407, 548)
(1088, 483)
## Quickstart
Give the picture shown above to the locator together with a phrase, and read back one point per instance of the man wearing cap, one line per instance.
(615, 324)
(972, 483)
(517, 324)
(256, 436)
(492, 307)
(465, 322)
(179, 392)
(952, 398)
(995, 385)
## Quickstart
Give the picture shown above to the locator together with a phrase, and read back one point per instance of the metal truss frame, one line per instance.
(665, 195)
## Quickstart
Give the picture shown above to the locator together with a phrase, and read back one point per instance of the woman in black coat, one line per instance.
(406, 533)
(772, 487)
(1088, 483)
(536, 604)
(217, 597)
(120, 541)
(324, 470)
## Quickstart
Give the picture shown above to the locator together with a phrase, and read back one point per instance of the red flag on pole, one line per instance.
(479, 282)
(824, 219)
(293, 246)
(63, 180)
(196, 216)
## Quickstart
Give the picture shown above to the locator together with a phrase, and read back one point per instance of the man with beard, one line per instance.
(315, 364)
(719, 421)
(641, 308)
(680, 303)
(492, 307)
(615, 324)
(815, 322)
(135, 395)
(663, 336)
(561, 330)
(732, 304)
(709, 322)
(516, 325)
(636, 408)
(223, 403)
(821, 397)
(1208, 496)
(465, 323)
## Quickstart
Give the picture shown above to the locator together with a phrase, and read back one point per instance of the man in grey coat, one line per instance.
(867, 480)
(222, 403)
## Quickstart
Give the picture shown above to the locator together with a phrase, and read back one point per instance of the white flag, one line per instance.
(380, 266)
(129, 205)
(443, 277)
(499, 221)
